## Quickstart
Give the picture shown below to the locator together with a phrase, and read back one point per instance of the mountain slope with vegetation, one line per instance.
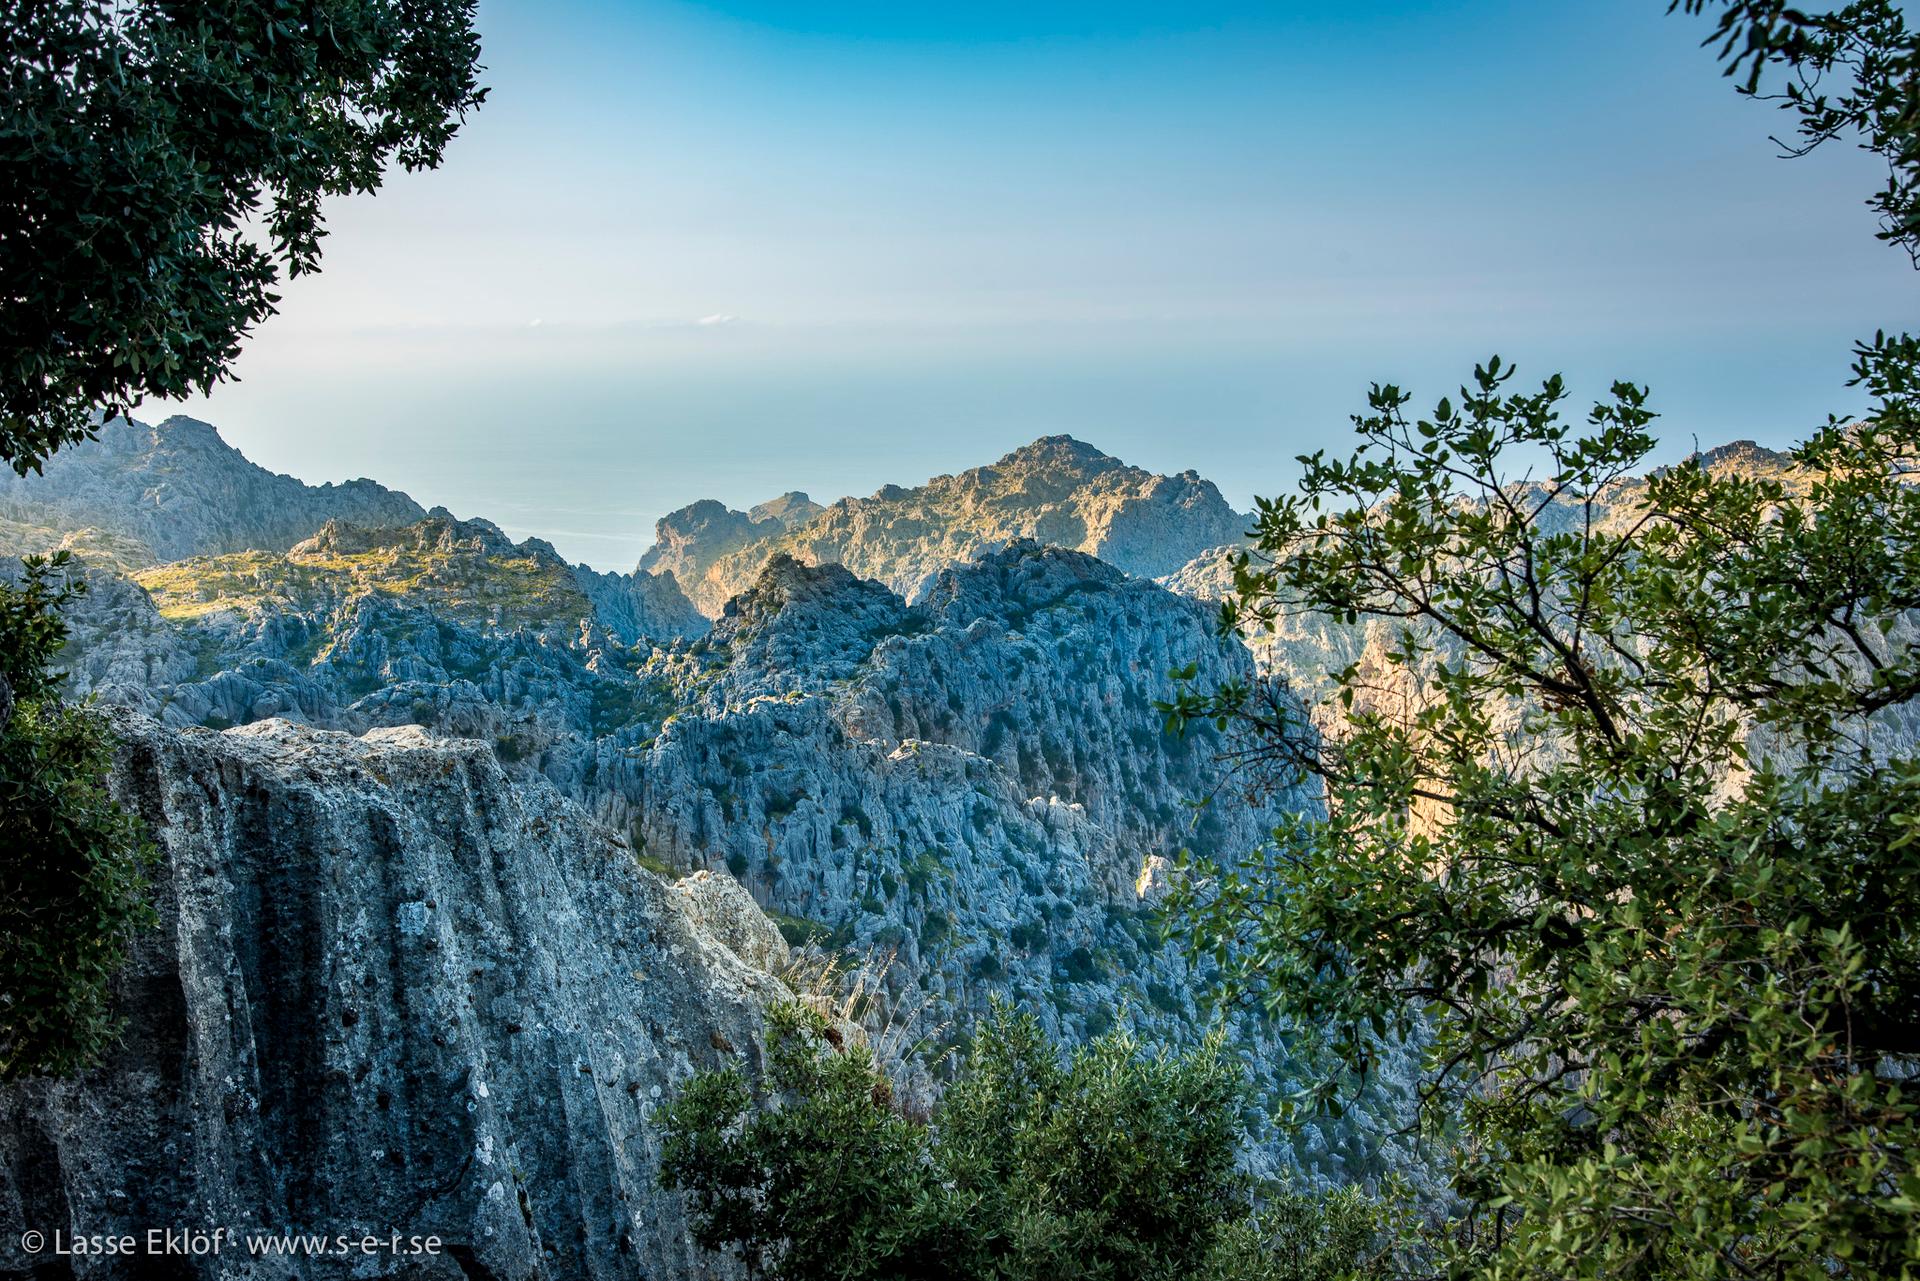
(968, 797)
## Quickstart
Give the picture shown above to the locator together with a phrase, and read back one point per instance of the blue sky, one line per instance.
(731, 248)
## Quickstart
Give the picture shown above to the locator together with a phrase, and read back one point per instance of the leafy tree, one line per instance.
(72, 884)
(1625, 809)
(162, 160)
(1342, 1235)
(1113, 1164)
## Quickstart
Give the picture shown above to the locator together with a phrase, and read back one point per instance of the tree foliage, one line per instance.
(161, 161)
(1622, 814)
(1113, 1164)
(1866, 48)
(73, 879)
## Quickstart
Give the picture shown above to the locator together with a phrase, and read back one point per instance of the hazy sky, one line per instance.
(728, 249)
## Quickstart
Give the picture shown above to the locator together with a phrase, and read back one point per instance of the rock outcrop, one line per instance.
(393, 991)
(1058, 491)
(480, 632)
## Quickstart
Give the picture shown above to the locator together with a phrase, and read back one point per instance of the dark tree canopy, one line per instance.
(1108, 1164)
(162, 161)
(73, 875)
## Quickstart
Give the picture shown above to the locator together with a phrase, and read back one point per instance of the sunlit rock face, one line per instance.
(393, 990)
(1057, 491)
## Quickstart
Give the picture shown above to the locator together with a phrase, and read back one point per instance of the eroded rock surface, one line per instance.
(1057, 491)
(393, 990)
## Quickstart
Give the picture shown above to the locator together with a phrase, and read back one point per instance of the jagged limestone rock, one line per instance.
(393, 990)
(958, 799)
(1057, 490)
(722, 907)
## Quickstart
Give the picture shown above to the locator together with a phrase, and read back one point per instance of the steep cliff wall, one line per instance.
(393, 991)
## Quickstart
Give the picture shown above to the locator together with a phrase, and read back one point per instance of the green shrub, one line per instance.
(935, 929)
(799, 931)
(1079, 966)
(1029, 936)
(1113, 1164)
(925, 869)
(658, 866)
(74, 877)
(853, 812)
(777, 805)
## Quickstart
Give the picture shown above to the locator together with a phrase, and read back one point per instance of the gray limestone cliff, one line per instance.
(393, 990)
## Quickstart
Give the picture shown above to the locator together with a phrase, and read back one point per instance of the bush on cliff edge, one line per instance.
(72, 863)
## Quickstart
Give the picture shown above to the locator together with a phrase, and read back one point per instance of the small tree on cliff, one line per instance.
(1616, 814)
(72, 870)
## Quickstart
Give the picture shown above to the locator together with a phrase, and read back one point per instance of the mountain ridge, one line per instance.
(1056, 490)
(180, 489)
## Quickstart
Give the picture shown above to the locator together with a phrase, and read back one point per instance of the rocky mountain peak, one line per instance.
(1745, 456)
(785, 581)
(181, 431)
(182, 490)
(1061, 453)
(803, 626)
(687, 541)
(440, 533)
(1058, 491)
(791, 510)
(1014, 581)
